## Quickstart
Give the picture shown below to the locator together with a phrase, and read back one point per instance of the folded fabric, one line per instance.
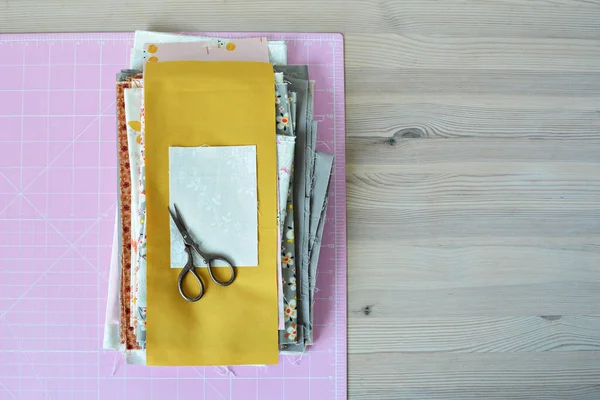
(323, 167)
(285, 159)
(277, 49)
(112, 300)
(177, 96)
(214, 188)
(141, 287)
(288, 251)
(311, 139)
(133, 101)
(293, 71)
(297, 259)
(318, 212)
(310, 106)
(138, 297)
(111, 340)
(310, 198)
(111, 326)
(248, 49)
(292, 99)
(291, 349)
(126, 331)
(301, 203)
(285, 154)
(135, 357)
(311, 146)
(282, 104)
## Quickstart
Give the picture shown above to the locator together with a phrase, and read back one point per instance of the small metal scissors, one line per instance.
(209, 259)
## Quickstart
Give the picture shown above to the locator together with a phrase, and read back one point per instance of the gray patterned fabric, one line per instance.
(318, 211)
(289, 335)
(301, 205)
(307, 213)
(288, 261)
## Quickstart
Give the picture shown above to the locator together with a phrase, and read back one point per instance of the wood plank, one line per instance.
(385, 152)
(471, 189)
(388, 50)
(505, 372)
(376, 80)
(551, 298)
(430, 115)
(452, 266)
(375, 334)
(473, 227)
(542, 186)
(496, 18)
(422, 86)
(521, 392)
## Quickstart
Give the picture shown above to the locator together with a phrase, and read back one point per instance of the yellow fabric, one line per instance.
(191, 103)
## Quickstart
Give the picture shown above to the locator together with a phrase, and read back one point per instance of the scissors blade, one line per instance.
(180, 225)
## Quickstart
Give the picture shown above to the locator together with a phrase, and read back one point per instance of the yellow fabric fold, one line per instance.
(190, 103)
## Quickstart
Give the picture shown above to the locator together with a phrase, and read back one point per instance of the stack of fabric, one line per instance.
(216, 146)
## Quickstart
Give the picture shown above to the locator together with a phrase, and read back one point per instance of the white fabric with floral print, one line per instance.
(215, 191)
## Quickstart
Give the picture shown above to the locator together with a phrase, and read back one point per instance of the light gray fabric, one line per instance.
(310, 108)
(322, 176)
(323, 166)
(288, 248)
(292, 349)
(293, 71)
(293, 100)
(312, 175)
(288, 273)
(301, 204)
(283, 112)
(310, 152)
(314, 260)
(311, 139)
(311, 145)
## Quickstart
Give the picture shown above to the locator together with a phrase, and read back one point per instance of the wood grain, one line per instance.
(497, 369)
(382, 152)
(439, 116)
(473, 334)
(521, 392)
(455, 264)
(486, 375)
(573, 19)
(473, 192)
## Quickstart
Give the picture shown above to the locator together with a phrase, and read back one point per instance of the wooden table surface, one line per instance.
(473, 181)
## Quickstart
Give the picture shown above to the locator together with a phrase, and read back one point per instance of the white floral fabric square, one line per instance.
(215, 190)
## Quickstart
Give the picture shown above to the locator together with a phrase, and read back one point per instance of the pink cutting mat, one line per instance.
(57, 206)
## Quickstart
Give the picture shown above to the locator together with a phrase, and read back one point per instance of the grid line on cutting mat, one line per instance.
(57, 205)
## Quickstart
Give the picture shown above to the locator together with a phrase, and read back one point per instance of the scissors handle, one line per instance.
(189, 267)
(211, 264)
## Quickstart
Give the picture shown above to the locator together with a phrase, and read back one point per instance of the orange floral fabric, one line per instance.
(127, 334)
